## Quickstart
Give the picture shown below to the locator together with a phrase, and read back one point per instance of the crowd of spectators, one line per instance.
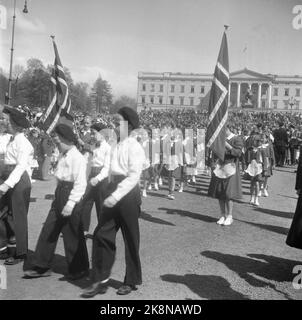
(241, 122)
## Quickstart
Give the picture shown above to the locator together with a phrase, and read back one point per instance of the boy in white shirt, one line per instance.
(64, 215)
(121, 210)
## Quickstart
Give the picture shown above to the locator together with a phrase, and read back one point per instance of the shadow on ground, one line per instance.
(268, 227)
(267, 267)
(189, 214)
(209, 287)
(276, 213)
(147, 217)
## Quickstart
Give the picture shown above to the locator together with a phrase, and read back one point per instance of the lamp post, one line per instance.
(292, 102)
(8, 95)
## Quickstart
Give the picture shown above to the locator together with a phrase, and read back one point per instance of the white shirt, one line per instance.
(72, 167)
(4, 140)
(145, 146)
(101, 155)
(19, 152)
(127, 158)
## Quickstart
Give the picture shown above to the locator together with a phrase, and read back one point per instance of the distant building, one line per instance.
(188, 90)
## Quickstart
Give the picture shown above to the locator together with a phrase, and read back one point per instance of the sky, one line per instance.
(119, 38)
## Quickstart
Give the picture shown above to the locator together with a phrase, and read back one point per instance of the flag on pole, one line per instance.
(60, 99)
(218, 104)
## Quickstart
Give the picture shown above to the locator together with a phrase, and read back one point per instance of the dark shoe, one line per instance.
(125, 289)
(94, 289)
(77, 275)
(14, 260)
(37, 273)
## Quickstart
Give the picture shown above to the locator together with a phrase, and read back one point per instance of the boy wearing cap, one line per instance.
(95, 189)
(16, 186)
(64, 215)
(121, 210)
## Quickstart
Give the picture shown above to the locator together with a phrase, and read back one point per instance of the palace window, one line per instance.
(297, 105)
(182, 88)
(152, 87)
(182, 100)
(192, 89)
(144, 87)
(160, 100)
(172, 88)
(202, 89)
(161, 88)
(297, 92)
(171, 100)
(275, 104)
(191, 101)
(143, 99)
(286, 92)
(152, 99)
(285, 104)
(275, 91)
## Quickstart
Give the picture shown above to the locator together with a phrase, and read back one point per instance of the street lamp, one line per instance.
(8, 95)
(292, 102)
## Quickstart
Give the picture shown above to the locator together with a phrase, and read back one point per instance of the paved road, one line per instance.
(184, 253)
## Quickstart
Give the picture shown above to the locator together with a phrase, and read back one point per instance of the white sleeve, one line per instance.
(105, 170)
(79, 166)
(136, 159)
(23, 158)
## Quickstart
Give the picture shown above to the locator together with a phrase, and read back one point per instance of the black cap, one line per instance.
(66, 132)
(17, 116)
(98, 126)
(130, 115)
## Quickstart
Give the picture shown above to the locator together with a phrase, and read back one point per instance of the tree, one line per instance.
(103, 95)
(79, 97)
(33, 85)
(123, 101)
(3, 86)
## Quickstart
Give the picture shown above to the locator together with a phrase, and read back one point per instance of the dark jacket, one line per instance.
(280, 137)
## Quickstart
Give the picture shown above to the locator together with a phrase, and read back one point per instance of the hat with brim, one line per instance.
(130, 115)
(17, 116)
(66, 132)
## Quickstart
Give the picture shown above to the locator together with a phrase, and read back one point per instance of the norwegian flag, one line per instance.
(60, 101)
(218, 104)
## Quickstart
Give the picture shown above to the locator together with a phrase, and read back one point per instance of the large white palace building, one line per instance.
(182, 90)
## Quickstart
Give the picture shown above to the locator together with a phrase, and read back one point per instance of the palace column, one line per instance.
(238, 94)
(269, 96)
(259, 95)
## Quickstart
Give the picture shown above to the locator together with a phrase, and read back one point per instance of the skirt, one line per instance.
(294, 237)
(226, 189)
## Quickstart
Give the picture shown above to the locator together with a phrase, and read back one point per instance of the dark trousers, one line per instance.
(14, 222)
(124, 215)
(44, 167)
(280, 152)
(72, 230)
(292, 155)
(92, 195)
(7, 235)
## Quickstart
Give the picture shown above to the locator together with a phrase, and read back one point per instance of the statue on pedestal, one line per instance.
(248, 96)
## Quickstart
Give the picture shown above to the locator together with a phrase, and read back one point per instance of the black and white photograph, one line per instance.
(151, 151)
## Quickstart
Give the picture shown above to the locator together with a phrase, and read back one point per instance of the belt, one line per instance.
(95, 170)
(63, 184)
(116, 178)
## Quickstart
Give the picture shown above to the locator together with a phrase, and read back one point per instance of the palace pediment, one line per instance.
(247, 74)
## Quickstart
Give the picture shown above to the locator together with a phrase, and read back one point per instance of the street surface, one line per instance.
(184, 253)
